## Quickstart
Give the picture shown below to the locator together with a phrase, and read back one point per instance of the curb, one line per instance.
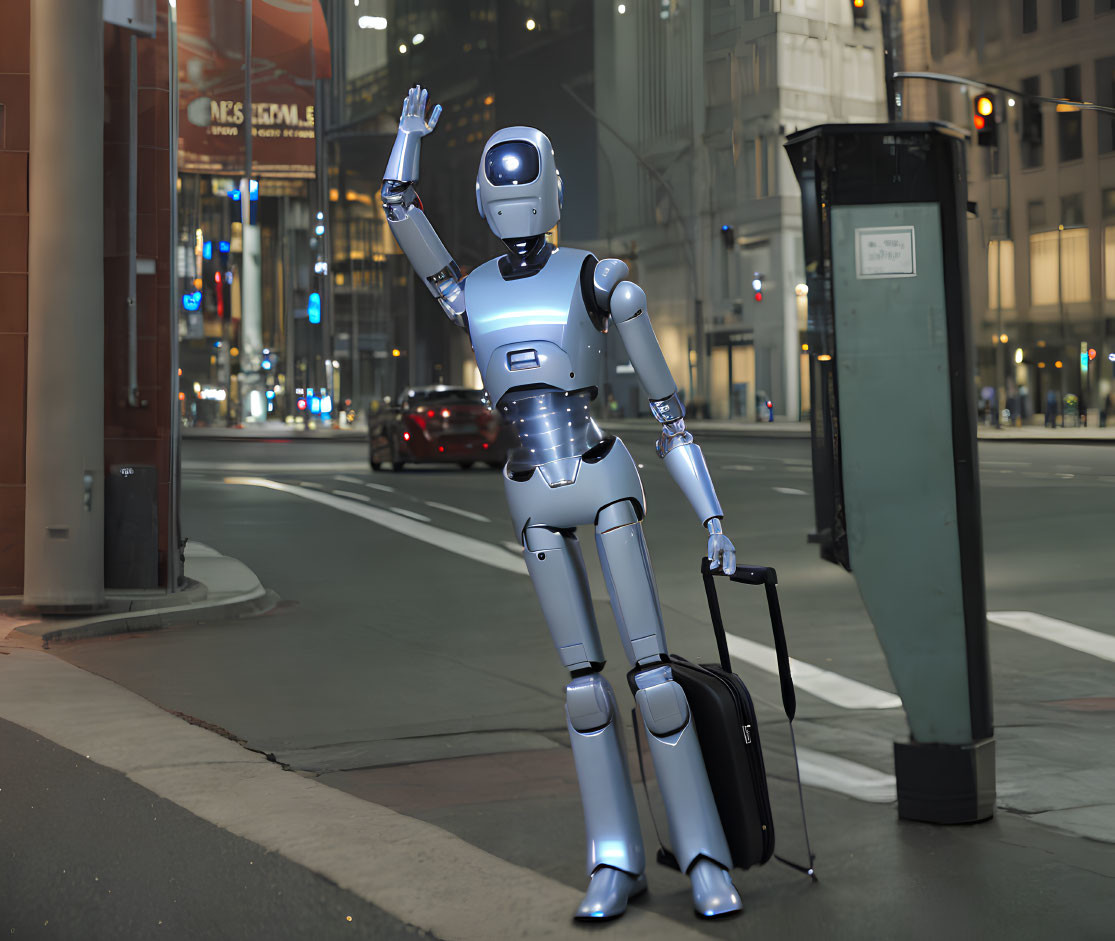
(254, 602)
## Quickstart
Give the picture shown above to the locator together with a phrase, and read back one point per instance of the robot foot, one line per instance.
(608, 892)
(713, 892)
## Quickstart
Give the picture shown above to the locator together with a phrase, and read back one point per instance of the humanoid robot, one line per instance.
(536, 317)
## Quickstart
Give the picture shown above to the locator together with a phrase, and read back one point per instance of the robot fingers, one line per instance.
(432, 123)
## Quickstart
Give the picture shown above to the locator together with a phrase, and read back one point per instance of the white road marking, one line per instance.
(793, 490)
(846, 777)
(355, 496)
(513, 547)
(381, 487)
(411, 514)
(743, 467)
(467, 514)
(310, 483)
(824, 684)
(344, 478)
(475, 549)
(253, 467)
(1079, 638)
(1007, 463)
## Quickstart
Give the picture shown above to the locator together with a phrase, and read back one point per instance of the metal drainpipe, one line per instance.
(175, 559)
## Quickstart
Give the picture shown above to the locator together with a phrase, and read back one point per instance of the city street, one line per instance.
(407, 664)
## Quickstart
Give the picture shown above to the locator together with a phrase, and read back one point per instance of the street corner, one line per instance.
(215, 587)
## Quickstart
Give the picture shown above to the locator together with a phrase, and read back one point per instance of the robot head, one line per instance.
(518, 188)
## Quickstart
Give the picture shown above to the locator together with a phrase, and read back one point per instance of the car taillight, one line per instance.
(485, 445)
(406, 435)
(441, 447)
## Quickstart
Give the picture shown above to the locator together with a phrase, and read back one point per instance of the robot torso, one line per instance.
(538, 349)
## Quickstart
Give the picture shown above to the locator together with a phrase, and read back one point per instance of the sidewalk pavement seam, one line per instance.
(413, 870)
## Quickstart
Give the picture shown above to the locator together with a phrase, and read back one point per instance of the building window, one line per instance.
(1035, 214)
(1000, 274)
(1072, 209)
(1059, 276)
(1109, 262)
(1029, 15)
(1070, 10)
(1032, 129)
(1105, 95)
(1107, 203)
(944, 28)
(1066, 84)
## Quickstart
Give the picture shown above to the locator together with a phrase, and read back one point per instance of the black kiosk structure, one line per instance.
(896, 486)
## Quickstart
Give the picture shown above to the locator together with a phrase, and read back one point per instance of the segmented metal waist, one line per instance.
(549, 425)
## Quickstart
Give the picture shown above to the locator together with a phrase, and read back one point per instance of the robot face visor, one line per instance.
(511, 162)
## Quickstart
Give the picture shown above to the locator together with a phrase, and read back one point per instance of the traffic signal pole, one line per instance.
(64, 522)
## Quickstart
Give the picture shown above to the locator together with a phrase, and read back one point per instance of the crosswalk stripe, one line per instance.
(1059, 632)
(824, 684)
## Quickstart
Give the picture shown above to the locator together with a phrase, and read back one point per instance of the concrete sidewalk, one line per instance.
(122, 820)
(218, 587)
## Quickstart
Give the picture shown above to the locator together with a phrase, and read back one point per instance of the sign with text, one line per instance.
(290, 47)
(886, 252)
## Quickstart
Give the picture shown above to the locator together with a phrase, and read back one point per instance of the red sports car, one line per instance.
(437, 423)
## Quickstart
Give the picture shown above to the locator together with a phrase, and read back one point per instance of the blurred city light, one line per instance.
(207, 251)
(372, 22)
(313, 307)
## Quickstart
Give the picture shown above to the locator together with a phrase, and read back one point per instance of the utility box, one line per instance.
(896, 486)
(131, 527)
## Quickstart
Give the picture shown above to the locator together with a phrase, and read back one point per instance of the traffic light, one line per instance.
(757, 286)
(859, 13)
(985, 120)
(728, 235)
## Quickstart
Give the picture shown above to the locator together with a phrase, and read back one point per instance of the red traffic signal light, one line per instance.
(984, 120)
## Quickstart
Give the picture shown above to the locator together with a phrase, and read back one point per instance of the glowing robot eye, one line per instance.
(511, 163)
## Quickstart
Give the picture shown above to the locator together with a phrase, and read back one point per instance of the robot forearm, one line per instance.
(684, 460)
(686, 464)
(423, 248)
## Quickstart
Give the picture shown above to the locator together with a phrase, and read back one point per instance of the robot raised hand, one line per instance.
(536, 316)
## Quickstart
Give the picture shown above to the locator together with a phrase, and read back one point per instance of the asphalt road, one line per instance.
(411, 667)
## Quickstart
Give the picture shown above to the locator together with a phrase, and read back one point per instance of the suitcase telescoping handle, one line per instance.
(754, 575)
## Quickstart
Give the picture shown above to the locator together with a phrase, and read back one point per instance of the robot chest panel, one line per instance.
(532, 331)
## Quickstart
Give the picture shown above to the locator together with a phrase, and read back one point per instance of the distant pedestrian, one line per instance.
(1108, 409)
(1050, 409)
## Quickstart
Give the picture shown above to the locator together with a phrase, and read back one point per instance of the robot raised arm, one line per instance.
(408, 223)
(627, 303)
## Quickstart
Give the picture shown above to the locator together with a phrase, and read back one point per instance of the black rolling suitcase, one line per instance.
(728, 731)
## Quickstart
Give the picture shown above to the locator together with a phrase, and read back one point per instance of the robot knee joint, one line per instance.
(589, 702)
(661, 701)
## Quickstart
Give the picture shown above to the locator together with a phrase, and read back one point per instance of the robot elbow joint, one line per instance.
(628, 301)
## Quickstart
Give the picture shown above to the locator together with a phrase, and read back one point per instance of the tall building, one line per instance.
(489, 64)
(1042, 247)
(694, 103)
